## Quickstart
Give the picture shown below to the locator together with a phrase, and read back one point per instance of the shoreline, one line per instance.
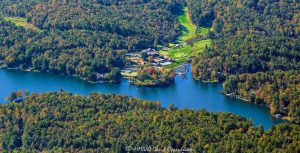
(136, 91)
(153, 85)
(206, 81)
(62, 74)
(283, 117)
(276, 116)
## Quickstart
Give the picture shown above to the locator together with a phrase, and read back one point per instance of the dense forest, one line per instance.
(255, 50)
(256, 42)
(83, 38)
(280, 90)
(61, 121)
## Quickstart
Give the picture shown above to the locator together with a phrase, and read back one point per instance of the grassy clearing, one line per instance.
(189, 30)
(22, 22)
(187, 27)
(202, 31)
(183, 53)
(201, 44)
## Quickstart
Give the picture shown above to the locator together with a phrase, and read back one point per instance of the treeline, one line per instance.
(231, 17)
(103, 123)
(83, 38)
(251, 37)
(280, 90)
(201, 12)
(247, 54)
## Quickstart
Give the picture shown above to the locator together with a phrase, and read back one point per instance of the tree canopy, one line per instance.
(251, 36)
(83, 38)
(61, 121)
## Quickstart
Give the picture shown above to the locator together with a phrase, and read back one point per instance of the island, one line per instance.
(153, 77)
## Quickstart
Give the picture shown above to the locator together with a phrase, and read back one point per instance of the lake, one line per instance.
(185, 93)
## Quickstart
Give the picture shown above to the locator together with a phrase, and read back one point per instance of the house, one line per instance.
(147, 50)
(100, 76)
(277, 115)
(160, 60)
(152, 53)
(133, 55)
(137, 60)
(165, 63)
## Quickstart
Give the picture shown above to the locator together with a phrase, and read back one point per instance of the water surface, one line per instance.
(185, 93)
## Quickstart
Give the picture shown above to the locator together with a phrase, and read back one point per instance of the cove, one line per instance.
(185, 93)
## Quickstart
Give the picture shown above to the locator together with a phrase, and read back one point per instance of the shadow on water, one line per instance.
(185, 93)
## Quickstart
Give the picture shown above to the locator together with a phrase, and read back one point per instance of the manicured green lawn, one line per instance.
(22, 23)
(189, 30)
(187, 27)
(201, 44)
(182, 54)
(202, 30)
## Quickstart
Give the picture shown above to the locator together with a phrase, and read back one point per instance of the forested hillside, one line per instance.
(61, 122)
(82, 38)
(280, 90)
(252, 37)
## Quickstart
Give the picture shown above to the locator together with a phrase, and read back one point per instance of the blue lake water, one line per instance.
(185, 93)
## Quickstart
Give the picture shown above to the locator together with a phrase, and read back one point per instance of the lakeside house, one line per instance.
(152, 53)
(277, 115)
(159, 60)
(100, 76)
